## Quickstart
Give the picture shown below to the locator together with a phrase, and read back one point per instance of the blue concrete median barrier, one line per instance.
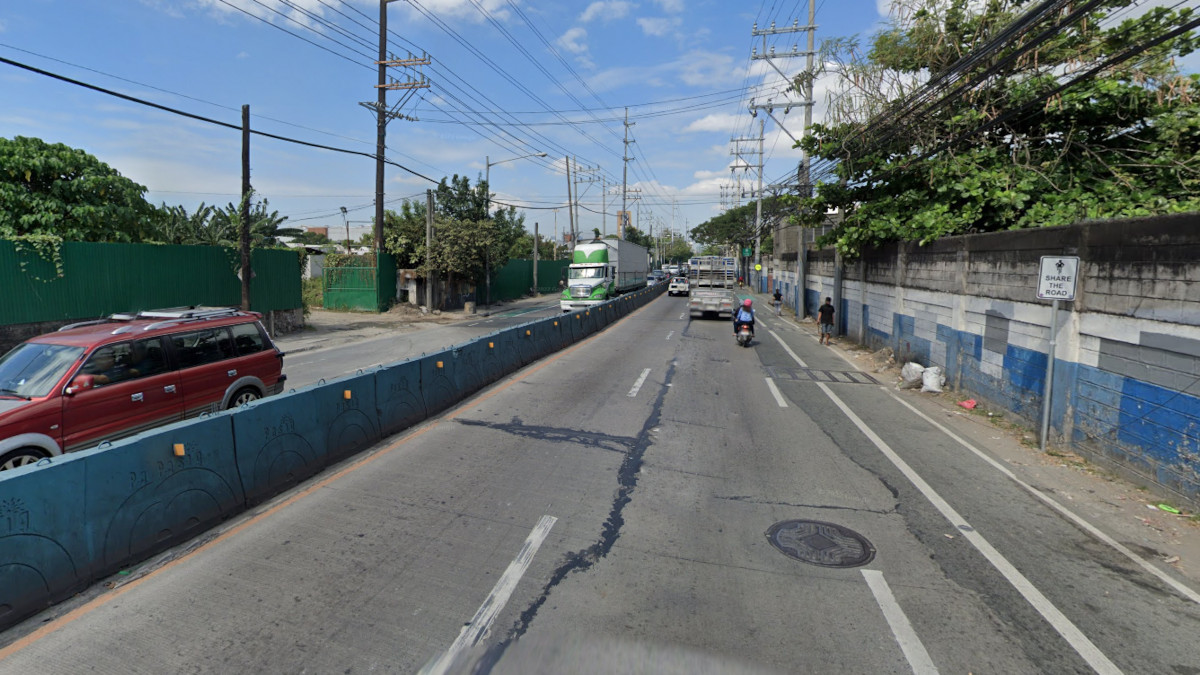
(279, 442)
(439, 381)
(537, 334)
(492, 363)
(398, 396)
(507, 349)
(478, 366)
(528, 344)
(160, 488)
(346, 410)
(44, 553)
(469, 371)
(560, 333)
(573, 325)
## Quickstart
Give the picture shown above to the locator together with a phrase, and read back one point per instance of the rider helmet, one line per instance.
(747, 302)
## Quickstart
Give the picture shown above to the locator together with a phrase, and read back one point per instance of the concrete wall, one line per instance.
(1127, 361)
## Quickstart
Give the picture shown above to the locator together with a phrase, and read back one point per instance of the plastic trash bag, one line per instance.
(932, 380)
(910, 375)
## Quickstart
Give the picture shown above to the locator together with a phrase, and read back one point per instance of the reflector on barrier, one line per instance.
(279, 441)
(439, 382)
(351, 423)
(398, 396)
(142, 497)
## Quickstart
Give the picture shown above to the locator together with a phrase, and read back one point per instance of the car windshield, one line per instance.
(32, 368)
(587, 272)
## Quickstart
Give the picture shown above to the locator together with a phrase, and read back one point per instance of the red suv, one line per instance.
(101, 380)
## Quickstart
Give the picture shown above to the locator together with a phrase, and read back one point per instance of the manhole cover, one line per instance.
(823, 544)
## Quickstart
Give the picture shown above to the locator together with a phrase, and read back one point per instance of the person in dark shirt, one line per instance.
(825, 321)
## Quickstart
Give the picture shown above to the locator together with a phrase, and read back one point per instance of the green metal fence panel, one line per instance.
(97, 279)
(516, 278)
(550, 273)
(387, 281)
(354, 288)
(276, 283)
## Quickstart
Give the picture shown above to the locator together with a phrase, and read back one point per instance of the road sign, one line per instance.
(758, 268)
(1057, 276)
(747, 252)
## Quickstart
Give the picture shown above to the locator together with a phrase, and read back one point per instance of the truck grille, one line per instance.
(581, 292)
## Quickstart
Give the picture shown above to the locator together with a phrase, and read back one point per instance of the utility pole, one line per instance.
(428, 250)
(603, 206)
(810, 75)
(383, 114)
(571, 209)
(586, 175)
(625, 178)
(758, 210)
(746, 166)
(535, 258)
(244, 235)
(803, 84)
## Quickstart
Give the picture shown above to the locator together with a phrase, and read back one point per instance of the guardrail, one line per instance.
(72, 520)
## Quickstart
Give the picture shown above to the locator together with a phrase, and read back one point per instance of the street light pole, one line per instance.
(487, 179)
(345, 220)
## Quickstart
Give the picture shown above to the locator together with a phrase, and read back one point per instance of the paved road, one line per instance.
(606, 510)
(339, 354)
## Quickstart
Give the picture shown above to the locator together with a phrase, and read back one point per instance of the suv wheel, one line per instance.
(243, 396)
(20, 457)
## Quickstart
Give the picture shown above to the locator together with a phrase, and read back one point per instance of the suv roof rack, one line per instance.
(191, 312)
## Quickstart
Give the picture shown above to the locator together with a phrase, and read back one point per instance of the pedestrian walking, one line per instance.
(778, 302)
(825, 321)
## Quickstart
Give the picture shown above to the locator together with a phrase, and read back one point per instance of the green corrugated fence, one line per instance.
(99, 279)
(516, 278)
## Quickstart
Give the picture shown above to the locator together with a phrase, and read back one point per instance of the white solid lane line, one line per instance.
(473, 632)
(1064, 511)
(1057, 620)
(910, 644)
(638, 385)
(775, 392)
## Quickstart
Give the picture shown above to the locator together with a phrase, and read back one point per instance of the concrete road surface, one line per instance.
(629, 505)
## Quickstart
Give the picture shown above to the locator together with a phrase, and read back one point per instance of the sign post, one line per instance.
(1056, 281)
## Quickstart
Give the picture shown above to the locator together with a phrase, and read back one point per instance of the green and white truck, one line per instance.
(601, 270)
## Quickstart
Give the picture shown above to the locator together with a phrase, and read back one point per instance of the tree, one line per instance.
(265, 228)
(176, 226)
(638, 237)
(53, 189)
(466, 241)
(1010, 147)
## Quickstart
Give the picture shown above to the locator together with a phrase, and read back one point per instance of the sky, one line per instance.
(507, 79)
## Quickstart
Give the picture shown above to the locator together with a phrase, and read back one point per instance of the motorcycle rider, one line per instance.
(744, 316)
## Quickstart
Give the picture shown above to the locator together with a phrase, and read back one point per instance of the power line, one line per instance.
(201, 118)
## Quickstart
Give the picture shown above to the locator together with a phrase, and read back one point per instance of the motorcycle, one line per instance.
(744, 336)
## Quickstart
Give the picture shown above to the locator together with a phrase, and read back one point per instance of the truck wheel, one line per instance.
(20, 457)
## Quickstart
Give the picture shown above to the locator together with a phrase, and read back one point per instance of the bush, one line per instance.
(312, 294)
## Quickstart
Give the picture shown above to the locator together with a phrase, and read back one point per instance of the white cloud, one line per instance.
(670, 6)
(724, 122)
(574, 41)
(658, 26)
(606, 10)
